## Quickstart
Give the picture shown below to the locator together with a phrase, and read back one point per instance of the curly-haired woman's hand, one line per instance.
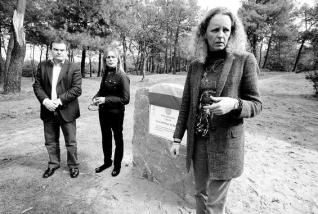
(222, 105)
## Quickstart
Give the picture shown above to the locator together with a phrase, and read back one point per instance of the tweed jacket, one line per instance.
(238, 79)
(68, 89)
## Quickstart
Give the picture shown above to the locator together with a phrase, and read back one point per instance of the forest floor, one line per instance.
(280, 171)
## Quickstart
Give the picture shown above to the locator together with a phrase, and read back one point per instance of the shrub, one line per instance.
(313, 77)
(28, 71)
(303, 67)
(276, 66)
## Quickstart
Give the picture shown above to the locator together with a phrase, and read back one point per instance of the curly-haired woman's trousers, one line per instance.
(210, 194)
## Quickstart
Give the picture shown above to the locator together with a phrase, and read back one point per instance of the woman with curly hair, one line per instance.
(220, 90)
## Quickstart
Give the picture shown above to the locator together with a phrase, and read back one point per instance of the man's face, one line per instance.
(59, 52)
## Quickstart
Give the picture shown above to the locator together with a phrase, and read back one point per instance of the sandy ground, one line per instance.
(281, 159)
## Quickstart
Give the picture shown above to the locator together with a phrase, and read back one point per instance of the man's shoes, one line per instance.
(103, 167)
(49, 171)
(74, 172)
(115, 171)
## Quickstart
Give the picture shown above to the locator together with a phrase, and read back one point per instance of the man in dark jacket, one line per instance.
(57, 86)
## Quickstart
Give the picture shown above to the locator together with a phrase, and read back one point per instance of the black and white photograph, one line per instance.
(158, 106)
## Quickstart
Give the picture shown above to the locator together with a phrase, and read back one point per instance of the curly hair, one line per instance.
(237, 41)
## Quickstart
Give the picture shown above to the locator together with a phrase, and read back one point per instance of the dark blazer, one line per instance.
(238, 79)
(68, 89)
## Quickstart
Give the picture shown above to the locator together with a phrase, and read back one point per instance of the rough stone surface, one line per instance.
(151, 155)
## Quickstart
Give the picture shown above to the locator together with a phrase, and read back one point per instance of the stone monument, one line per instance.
(155, 115)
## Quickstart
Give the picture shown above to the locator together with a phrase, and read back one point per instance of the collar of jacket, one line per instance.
(63, 72)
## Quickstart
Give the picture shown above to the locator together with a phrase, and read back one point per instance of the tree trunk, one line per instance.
(170, 53)
(157, 69)
(260, 55)
(33, 70)
(124, 52)
(149, 64)
(9, 50)
(179, 60)
(1, 61)
(139, 55)
(141, 61)
(90, 65)
(72, 56)
(99, 62)
(83, 62)
(298, 54)
(47, 52)
(166, 49)
(254, 43)
(132, 53)
(3, 46)
(144, 69)
(69, 54)
(267, 52)
(174, 58)
(41, 54)
(137, 64)
(2, 68)
(15, 59)
(153, 66)
(13, 72)
(30, 52)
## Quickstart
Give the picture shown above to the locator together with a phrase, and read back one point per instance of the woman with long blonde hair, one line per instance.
(112, 96)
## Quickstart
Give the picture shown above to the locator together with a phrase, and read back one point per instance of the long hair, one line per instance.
(237, 41)
(119, 67)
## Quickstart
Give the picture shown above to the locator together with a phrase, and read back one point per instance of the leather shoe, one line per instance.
(103, 167)
(115, 172)
(49, 171)
(74, 172)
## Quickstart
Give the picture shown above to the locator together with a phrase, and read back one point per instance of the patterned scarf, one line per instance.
(214, 63)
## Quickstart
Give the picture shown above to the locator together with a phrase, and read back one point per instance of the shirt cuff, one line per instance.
(59, 100)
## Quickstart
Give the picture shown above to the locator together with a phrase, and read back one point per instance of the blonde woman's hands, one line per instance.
(99, 100)
(222, 105)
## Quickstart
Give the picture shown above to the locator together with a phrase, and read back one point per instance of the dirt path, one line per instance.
(23, 158)
(281, 158)
(281, 151)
